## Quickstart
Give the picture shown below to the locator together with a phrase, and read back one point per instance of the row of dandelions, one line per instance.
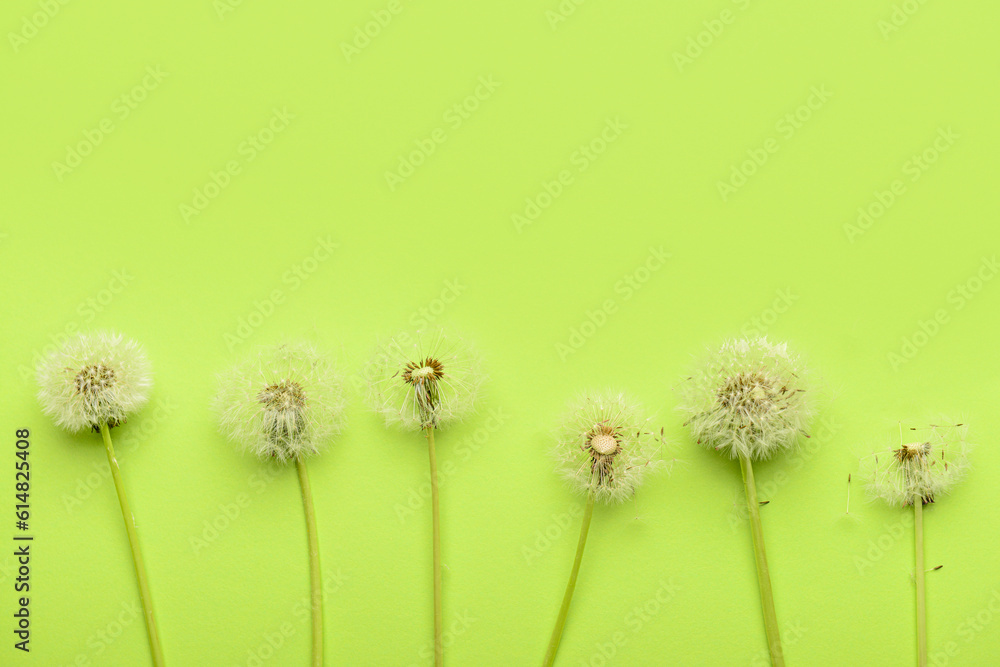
(751, 399)
(287, 402)
(284, 403)
(748, 400)
(915, 474)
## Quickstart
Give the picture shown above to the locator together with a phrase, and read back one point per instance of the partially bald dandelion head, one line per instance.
(426, 379)
(605, 445)
(747, 399)
(93, 379)
(284, 402)
(934, 459)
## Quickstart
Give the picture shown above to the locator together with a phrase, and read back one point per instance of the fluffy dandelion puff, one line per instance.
(606, 445)
(747, 399)
(283, 402)
(929, 465)
(426, 379)
(93, 379)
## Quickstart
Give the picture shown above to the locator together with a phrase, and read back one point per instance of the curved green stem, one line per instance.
(435, 511)
(557, 631)
(133, 540)
(918, 543)
(316, 589)
(763, 575)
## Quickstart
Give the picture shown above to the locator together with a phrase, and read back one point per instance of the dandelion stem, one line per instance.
(557, 631)
(763, 576)
(436, 518)
(316, 587)
(133, 539)
(918, 532)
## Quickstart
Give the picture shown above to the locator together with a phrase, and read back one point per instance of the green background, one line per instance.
(107, 244)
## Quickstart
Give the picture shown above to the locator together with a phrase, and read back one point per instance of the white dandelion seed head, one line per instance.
(93, 379)
(606, 445)
(928, 465)
(283, 402)
(424, 379)
(747, 399)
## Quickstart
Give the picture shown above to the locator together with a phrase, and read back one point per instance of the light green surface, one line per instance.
(106, 246)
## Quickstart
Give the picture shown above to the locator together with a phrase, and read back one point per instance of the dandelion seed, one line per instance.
(848, 494)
